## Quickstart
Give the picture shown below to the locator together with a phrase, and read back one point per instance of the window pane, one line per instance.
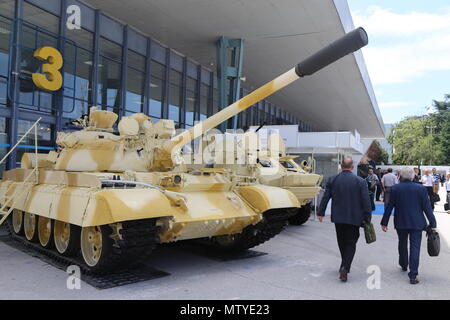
(45, 142)
(158, 74)
(204, 98)
(7, 8)
(215, 101)
(77, 72)
(109, 83)
(135, 90)
(110, 49)
(191, 100)
(40, 18)
(81, 37)
(174, 95)
(3, 91)
(3, 141)
(73, 109)
(5, 31)
(136, 61)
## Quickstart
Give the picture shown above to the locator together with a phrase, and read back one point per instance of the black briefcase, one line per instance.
(446, 207)
(433, 242)
(369, 232)
(435, 197)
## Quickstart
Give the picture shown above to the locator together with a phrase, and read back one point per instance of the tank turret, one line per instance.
(144, 146)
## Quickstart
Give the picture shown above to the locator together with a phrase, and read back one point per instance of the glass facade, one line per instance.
(135, 83)
(105, 64)
(175, 85)
(157, 90)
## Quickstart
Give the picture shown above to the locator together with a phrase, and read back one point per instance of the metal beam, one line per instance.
(58, 96)
(14, 79)
(229, 72)
(95, 58)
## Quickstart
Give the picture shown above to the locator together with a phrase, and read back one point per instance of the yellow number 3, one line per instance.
(52, 80)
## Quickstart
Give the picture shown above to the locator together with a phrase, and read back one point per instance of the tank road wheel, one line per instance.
(118, 245)
(66, 237)
(30, 226)
(45, 232)
(97, 248)
(301, 216)
(15, 222)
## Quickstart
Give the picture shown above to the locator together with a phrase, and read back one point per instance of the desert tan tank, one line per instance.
(115, 196)
(245, 153)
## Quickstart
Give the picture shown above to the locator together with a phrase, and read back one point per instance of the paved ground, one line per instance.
(301, 263)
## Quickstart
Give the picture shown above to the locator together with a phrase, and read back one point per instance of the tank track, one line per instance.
(138, 241)
(272, 224)
(302, 215)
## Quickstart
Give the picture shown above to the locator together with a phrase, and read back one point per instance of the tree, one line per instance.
(411, 141)
(384, 155)
(425, 139)
(441, 139)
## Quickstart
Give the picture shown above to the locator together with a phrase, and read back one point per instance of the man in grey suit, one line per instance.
(349, 208)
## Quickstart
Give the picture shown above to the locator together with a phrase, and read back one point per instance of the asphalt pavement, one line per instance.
(301, 263)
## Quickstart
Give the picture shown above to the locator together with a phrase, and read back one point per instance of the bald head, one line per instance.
(347, 163)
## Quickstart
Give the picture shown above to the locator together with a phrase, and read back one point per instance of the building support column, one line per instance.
(229, 72)
(15, 81)
(95, 61)
(58, 95)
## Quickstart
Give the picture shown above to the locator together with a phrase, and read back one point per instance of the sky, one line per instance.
(408, 56)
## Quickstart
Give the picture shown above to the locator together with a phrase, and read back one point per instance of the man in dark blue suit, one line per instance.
(350, 206)
(410, 201)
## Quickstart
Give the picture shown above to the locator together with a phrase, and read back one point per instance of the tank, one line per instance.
(267, 162)
(114, 196)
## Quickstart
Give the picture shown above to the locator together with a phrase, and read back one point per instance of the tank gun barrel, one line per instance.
(343, 46)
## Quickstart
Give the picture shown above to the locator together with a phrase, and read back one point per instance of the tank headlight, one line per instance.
(177, 179)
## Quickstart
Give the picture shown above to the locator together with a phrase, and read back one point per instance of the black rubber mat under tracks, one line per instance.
(138, 273)
(209, 251)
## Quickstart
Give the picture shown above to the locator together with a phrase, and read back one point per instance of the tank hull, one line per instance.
(212, 205)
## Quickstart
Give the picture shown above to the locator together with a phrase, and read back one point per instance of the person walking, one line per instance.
(410, 201)
(372, 181)
(443, 179)
(417, 177)
(447, 189)
(379, 188)
(350, 206)
(388, 181)
(436, 180)
(427, 182)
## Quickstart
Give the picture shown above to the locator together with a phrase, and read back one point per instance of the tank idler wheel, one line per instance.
(97, 248)
(66, 237)
(15, 222)
(45, 232)
(30, 226)
(301, 216)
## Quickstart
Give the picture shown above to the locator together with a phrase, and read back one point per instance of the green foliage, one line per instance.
(423, 140)
(384, 155)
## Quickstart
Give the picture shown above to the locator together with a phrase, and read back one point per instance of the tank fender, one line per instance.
(264, 197)
(115, 205)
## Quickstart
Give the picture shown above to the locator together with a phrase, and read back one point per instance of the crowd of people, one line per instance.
(380, 183)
